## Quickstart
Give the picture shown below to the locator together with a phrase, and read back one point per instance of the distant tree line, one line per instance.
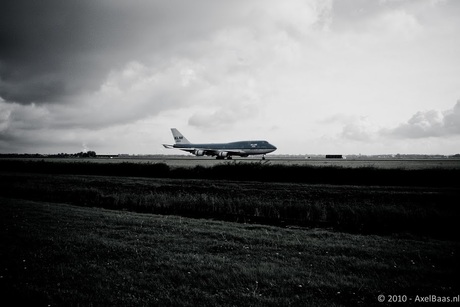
(87, 154)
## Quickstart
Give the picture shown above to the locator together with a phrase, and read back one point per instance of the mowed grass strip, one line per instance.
(57, 254)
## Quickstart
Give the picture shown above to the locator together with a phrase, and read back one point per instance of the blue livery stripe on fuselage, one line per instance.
(242, 145)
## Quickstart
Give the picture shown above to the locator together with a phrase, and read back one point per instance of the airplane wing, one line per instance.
(188, 149)
(205, 151)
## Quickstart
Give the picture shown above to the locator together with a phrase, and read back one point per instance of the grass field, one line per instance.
(56, 254)
(98, 234)
(429, 211)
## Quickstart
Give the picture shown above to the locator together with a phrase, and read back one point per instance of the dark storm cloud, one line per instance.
(52, 49)
(43, 47)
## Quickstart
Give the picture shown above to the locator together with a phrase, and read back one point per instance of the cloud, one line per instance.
(19, 117)
(224, 117)
(128, 94)
(423, 124)
(432, 123)
(353, 127)
(52, 49)
(79, 71)
(92, 64)
(359, 130)
(87, 66)
(131, 93)
(400, 23)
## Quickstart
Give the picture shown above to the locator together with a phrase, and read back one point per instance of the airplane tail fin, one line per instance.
(178, 137)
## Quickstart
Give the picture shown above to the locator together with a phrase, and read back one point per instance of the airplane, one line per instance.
(221, 150)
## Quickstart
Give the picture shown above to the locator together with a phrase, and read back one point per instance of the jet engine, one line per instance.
(222, 154)
(198, 152)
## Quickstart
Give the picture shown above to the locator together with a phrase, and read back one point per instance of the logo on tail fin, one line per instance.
(178, 137)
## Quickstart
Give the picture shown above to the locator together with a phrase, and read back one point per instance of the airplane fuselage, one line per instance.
(221, 150)
(240, 148)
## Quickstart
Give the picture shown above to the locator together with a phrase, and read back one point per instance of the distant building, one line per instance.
(334, 157)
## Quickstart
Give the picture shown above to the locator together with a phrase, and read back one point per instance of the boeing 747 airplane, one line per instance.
(221, 150)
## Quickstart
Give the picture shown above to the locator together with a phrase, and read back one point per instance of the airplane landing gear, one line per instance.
(263, 157)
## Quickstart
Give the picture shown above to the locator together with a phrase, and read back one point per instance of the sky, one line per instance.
(309, 76)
